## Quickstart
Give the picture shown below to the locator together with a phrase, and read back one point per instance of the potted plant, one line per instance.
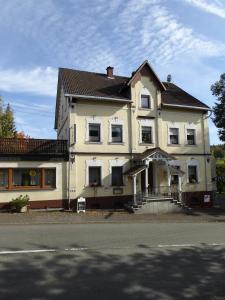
(20, 203)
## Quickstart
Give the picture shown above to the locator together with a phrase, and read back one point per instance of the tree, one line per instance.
(218, 90)
(8, 123)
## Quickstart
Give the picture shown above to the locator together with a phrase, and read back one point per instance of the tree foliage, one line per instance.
(218, 90)
(7, 122)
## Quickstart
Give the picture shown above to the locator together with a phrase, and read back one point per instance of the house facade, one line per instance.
(130, 136)
(119, 140)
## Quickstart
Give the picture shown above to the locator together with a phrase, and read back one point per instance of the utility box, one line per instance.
(81, 205)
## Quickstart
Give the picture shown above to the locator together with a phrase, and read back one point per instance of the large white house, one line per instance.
(129, 139)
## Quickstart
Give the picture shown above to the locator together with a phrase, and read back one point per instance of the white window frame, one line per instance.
(115, 121)
(145, 92)
(191, 126)
(94, 120)
(94, 163)
(116, 163)
(146, 123)
(173, 126)
(193, 162)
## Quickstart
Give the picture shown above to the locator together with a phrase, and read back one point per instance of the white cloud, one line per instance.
(215, 7)
(40, 81)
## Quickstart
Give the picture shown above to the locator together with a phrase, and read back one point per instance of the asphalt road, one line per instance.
(113, 261)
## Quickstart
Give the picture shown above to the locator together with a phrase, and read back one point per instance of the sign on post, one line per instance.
(81, 205)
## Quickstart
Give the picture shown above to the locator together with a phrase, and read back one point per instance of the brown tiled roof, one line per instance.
(98, 85)
(84, 83)
(176, 96)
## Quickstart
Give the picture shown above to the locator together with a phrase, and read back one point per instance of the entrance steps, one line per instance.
(156, 204)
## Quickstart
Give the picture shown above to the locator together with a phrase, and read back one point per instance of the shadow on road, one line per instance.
(188, 273)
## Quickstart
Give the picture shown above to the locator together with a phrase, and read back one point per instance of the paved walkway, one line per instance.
(50, 217)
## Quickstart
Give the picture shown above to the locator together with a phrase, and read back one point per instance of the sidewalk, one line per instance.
(48, 217)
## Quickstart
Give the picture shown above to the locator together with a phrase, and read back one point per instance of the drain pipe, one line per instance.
(204, 146)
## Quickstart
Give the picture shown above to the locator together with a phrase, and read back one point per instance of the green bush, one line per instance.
(19, 202)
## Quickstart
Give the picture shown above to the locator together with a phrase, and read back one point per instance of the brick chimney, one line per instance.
(109, 72)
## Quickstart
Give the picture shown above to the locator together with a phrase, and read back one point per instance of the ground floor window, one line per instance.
(192, 174)
(117, 176)
(175, 177)
(27, 178)
(94, 176)
(3, 178)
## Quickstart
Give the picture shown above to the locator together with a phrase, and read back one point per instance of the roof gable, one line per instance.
(145, 69)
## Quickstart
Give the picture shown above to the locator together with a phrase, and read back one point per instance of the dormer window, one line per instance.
(145, 101)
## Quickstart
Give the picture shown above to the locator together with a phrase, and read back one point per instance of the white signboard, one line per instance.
(81, 205)
(206, 198)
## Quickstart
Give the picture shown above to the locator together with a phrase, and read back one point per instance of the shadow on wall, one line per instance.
(193, 273)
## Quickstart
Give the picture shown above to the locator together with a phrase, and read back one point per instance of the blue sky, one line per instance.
(185, 38)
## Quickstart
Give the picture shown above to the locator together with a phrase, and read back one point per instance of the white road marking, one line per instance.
(104, 248)
(27, 251)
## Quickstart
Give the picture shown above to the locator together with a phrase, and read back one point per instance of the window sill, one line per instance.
(197, 182)
(27, 189)
(146, 144)
(174, 145)
(98, 143)
(146, 109)
(118, 186)
(188, 145)
(116, 143)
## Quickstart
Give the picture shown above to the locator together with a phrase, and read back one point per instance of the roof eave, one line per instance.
(188, 106)
(97, 97)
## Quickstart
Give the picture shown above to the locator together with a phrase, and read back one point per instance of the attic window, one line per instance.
(145, 101)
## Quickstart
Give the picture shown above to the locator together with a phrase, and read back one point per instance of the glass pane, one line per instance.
(117, 176)
(26, 177)
(145, 101)
(192, 174)
(94, 132)
(94, 176)
(191, 136)
(146, 134)
(173, 135)
(3, 178)
(117, 133)
(50, 176)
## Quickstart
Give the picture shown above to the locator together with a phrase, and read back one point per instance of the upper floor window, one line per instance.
(192, 174)
(191, 137)
(94, 176)
(117, 133)
(146, 134)
(117, 176)
(145, 101)
(174, 136)
(94, 132)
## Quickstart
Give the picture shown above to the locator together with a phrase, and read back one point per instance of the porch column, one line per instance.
(134, 187)
(179, 188)
(169, 180)
(155, 177)
(146, 180)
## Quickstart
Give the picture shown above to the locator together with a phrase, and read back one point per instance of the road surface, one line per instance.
(113, 261)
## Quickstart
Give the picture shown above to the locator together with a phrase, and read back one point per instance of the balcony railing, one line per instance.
(10, 146)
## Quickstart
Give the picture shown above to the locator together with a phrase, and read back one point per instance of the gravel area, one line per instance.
(65, 217)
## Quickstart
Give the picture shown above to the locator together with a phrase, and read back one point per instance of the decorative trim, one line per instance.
(94, 120)
(147, 123)
(116, 121)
